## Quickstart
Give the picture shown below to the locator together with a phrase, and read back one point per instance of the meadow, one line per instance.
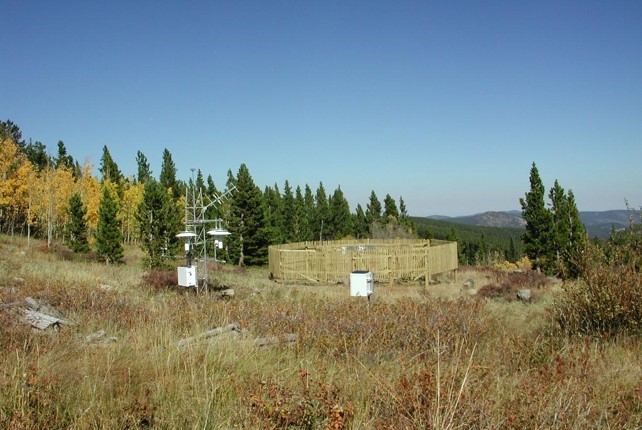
(415, 357)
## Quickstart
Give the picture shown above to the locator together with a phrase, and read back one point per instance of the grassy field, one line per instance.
(415, 357)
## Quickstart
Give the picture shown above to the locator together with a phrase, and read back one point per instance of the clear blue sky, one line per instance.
(444, 103)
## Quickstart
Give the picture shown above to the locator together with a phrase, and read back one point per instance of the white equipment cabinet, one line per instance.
(187, 276)
(361, 283)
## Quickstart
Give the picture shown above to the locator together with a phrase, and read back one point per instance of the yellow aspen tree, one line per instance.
(31, 216)
(14, 171)
(132, 196)
(64, 188)
(89, 190)
(41, 193)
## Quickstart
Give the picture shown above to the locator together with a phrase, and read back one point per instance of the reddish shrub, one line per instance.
(160, 279)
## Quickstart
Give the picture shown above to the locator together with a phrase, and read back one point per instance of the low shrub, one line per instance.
(310, 404)
(607, 300)
(160, 279)
(508, 284)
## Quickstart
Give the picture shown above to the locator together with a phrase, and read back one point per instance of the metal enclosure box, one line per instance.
(187, 276)
(361, 283)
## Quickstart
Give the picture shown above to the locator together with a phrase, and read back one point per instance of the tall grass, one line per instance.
(402, 361)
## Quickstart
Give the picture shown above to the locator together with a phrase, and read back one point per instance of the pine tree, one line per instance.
(390, 211)
(144, 172)
(340, 222)
(308, 214)
(560, 230)
(360, 223)
(300, 220)
(511, 254)
(539, 224)
(288, 214)
(373, 209)
(321, 214)
(403, 212)
(64, 160)
(168, 175)
(404, 219)
(249, 242)
(109, 240)
(577, 238)
(9, 130)
(77, 227)
(160, 221)
(109, 168)
(200, 182)
(37, 154)
(273, 214)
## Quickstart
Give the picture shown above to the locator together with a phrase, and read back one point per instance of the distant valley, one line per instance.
(598, 223)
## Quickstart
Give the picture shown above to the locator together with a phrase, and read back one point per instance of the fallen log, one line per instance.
(98, 338)
(225, 293)
(208, 334)
(41, 321)
(9, 305)
(264, 341)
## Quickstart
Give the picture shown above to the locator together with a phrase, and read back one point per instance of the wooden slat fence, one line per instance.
(389, 260)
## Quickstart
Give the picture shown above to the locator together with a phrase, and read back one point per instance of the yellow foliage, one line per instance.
(89, 190)
(524, 265)
(132, 196)
(15, 170)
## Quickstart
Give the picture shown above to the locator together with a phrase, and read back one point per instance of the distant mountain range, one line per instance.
(598, 224)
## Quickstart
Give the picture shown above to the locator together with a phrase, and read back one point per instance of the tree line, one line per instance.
(56, 198)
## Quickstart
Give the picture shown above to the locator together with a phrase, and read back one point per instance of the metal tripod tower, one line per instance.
(197, 223)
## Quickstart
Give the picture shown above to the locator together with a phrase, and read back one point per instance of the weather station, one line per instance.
(187, 275)
(196, 271)
(218, 233)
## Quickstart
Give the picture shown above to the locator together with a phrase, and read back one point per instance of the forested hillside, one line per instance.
(477, 244)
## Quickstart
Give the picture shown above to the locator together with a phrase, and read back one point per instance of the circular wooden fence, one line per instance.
(389, 260)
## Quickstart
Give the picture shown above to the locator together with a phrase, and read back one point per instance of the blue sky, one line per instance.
(444, 103)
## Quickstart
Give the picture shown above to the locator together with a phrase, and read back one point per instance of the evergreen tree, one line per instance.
(288, 214)
(160, 221)
(577, 238)
(200, 182)
(144, 172)
(483, 251)
(511, 254)
(37, 154)
(321, 214)
(77, 227)
(231, 180)
(109, 239)
(249, 242)
(340, 221)
(168, 175)
(360, 223)
(300, 219)
(309, 214)
(273, 214)
(404, 219)
(10, 130)
(108, 167)
(403, 212)
(373, 209)
(64, 160)
(390, 211)
(539, 224)
(560, 231)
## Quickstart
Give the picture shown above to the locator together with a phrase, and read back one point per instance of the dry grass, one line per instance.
(415, 357)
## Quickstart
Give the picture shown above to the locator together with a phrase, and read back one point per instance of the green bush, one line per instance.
(607, 299)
